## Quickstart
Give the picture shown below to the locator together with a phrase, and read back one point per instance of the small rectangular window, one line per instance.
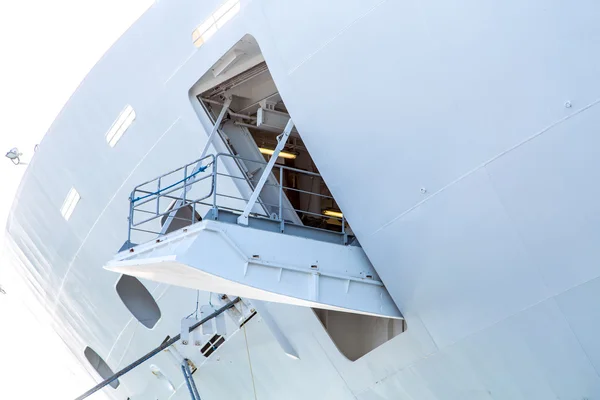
(215, 21)
(119, 127)
(69, 204)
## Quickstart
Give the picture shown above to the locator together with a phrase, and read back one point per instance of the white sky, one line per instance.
(47, 48)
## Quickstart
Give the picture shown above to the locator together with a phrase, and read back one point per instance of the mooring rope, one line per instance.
(250, 363)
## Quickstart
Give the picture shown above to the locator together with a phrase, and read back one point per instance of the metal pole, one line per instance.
(281, 226)
(243, 219)
(158, 197)
(178, 203)
(189, 380)
(185, 183)
(215, 173)
(157, 350)
(344, 229)
(130, 217)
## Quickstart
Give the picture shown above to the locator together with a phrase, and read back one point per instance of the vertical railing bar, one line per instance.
(281, 222)
(344, 229)
(158, 196)
(185, 177)
(131, 197)
(215, 177)
(193, 212)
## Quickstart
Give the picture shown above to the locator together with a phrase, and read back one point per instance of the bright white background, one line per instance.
(46, 49)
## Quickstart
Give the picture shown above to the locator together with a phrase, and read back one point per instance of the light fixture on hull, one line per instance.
(333, 213)
(13, 155)
(282, 154)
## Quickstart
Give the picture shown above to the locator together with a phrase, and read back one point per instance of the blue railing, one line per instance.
(197, 187)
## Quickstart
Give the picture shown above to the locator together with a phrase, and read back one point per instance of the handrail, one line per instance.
(145, 198)
(201, 169)
(164, 192)
(175, 170)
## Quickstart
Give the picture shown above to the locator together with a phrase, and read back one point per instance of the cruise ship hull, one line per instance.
(458, 138)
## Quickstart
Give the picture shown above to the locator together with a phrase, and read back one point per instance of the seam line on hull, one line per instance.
(335, 36)
(249, 362)
(485, 163)
(122, 332)
(333, 365)
(470, 335)
(517, 231)
(575, 336)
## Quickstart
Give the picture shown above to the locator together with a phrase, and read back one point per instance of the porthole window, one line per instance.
(138, 300)
(100, 366)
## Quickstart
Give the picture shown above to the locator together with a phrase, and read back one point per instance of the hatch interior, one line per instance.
(257, 115)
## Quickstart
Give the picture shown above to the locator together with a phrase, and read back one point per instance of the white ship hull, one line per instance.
(460, 140)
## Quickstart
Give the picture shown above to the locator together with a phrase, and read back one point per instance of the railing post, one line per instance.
(131, 197)
(215, 176)
(158, 197)
(243, 219)
(344, 229)
(281, 222)
(185, 177)
(193, 212)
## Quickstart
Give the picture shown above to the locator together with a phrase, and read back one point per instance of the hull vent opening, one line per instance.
(212, 345)
(138, 300)
(100, 366)
(355, 335)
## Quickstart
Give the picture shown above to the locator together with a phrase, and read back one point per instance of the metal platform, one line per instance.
(257, 262)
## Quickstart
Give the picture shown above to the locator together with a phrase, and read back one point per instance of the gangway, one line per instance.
(221, 242)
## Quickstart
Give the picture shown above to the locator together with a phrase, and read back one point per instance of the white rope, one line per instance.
(250, 363)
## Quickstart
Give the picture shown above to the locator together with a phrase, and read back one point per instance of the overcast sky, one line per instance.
(47, 48)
